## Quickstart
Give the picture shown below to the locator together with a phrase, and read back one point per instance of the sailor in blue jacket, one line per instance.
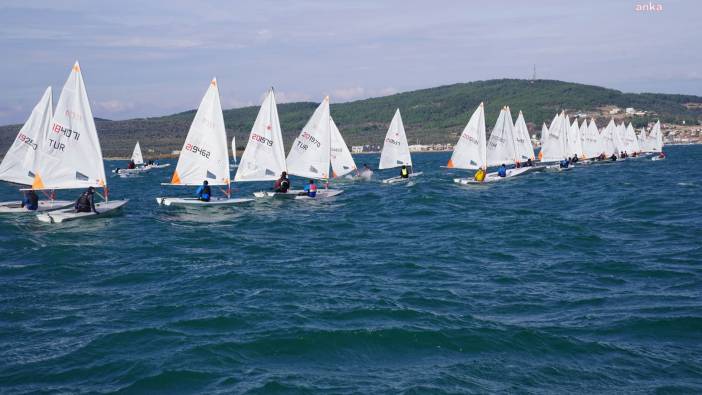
(502, 170)
(204, 192)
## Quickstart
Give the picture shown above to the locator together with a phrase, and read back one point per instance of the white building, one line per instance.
(629, 111)
(357, 149)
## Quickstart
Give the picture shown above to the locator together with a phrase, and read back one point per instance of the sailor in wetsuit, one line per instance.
(30, 201)
(86, 202)
(282, 184)
(404, 172)
(204, 192)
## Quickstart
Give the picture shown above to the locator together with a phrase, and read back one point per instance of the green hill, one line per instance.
(434, 115)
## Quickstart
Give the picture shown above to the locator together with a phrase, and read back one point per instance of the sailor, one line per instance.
(131, 165)
(282, 184)
(479, 175)
(529, 163)
(574, 159)
(204, 192)
(564, 164)
(661, 155)
(30, 201)
(86, 202)
(404, 172)
(613, 157)
(310, 189)
(502, 170)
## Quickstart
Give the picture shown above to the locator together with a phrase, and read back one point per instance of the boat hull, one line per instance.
(105, 209)
(194, 202)
(44, 205)
(395, 180)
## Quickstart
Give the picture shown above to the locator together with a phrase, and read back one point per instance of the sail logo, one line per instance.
(260, 139)
(74, 115)
(197, 150)
(70, 133)
(392, 141)
(27, 140)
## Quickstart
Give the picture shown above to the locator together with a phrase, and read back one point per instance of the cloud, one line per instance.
(291, 97)
(114, 106)
(346, 94)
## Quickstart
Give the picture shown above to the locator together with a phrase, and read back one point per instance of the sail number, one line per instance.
(197, 150)
(27, 140)
(261, 139)
(392, 141)
(310, 139)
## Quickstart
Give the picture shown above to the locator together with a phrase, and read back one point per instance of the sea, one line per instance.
(584, 281)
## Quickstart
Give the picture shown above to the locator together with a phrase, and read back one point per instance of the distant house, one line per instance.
(175, 152)
(629, 111)
(613, 111)
(417, 148)
(357, 149)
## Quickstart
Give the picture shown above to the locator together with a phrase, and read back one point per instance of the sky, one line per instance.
(156, 57)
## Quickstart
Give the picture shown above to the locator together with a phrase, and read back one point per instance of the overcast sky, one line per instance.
(150, 58)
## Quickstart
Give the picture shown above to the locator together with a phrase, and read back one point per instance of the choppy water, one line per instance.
(585, 281)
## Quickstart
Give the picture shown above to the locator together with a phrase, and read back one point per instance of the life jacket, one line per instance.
(480, 175)
(83, 202)
(284, 185)
(404, 173)
(206, 193)
(312, 192)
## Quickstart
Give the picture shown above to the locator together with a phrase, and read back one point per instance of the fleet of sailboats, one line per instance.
(60, 150)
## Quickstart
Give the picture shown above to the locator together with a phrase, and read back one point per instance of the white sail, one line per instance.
(310, 154)
(591, 141)
(470, 151)
(552, 148)
(574, 146)
(264, 156)
(18, 164)
(642, 140)
(544, 133)
(395, 148)
(234, 149)
(341, 160)
(618, 135)
(69, 155)
(630, 141)
(522, 141)
(136, 155)
(607, 139)
(500, 146)
(204, 155)
(655, 138)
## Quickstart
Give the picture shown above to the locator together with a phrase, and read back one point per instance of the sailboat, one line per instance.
(204, 156)
(501, 146)
(470, 152)
(607, 139)
(18, 164)
(522, 141)
(655, 140)
(310, 154)
(591, 141)
(574, 146)
(264, 156)
(631, 143)
(69, 154)
(234, 152)
(553, 147)
(395, 151)
(342, 162)
(138, 161)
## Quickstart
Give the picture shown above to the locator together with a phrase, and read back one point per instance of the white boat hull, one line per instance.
(298, 194)
(149, 167)
(68, 214)
(493, 177)
(194, 202)
(397, 179)
(44, 205)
